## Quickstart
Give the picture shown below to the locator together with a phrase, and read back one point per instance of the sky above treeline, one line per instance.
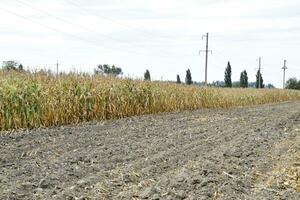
(162, 36)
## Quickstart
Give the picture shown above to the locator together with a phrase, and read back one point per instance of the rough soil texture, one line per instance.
(240, 153)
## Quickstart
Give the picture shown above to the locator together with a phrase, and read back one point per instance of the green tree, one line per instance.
(270, 86)
(292, 83)
(188, 77)
(20, 67)
(259, 80)
(178, 79)
(244, 79)
(12, 65)
(108, 70)
(147, 76)
(227, 79)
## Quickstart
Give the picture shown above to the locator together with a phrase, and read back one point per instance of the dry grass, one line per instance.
(43, 100)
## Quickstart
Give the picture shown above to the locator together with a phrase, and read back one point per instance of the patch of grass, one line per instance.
(31, 100)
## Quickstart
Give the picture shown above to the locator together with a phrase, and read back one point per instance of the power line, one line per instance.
(67, 21)
(75, 36)
(36, 22)
(87, 28)
(113, 20)
(119, 23)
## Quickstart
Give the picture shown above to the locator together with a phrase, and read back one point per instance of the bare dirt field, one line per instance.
(240, 153)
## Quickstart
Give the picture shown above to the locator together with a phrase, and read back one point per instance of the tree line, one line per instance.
(243, 78)
(292, 83)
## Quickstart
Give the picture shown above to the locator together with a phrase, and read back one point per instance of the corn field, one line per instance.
(32, 100)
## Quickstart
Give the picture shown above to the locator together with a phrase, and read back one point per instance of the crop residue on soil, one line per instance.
(240, 153)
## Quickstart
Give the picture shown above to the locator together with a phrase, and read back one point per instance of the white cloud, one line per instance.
(163, 36)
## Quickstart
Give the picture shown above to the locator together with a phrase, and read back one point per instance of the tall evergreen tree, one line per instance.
(178, 79)
(227, 79)
(259, 80)
(188, 78)
(20, 67)
(244, 79)
(147, 76)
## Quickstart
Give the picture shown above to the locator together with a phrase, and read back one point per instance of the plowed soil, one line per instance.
(240, 153)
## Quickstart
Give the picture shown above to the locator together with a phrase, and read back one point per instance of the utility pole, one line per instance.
(206, 52)
(57, 64)
(284, 69)
(259, 69)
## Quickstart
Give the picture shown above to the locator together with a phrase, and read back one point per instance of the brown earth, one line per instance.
(240, 153)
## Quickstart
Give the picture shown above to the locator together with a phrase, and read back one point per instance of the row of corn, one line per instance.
(31, 100)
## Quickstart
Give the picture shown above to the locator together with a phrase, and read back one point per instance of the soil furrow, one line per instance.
(205, 154)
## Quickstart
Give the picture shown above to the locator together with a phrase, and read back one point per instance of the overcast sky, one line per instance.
(164, 36)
